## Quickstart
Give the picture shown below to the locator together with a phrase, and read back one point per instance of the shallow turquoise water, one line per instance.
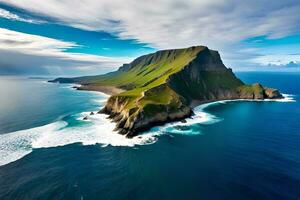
(27, 103)
(229, 150)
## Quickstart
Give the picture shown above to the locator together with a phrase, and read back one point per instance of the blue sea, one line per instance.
(228, 150)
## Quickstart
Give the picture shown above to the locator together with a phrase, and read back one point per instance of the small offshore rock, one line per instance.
(183, 121)
(272, 93)
(85, 118)
(92, 113)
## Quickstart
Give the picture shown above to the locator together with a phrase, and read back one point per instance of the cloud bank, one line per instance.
(26, 53)
(175, 23)
(219, 24)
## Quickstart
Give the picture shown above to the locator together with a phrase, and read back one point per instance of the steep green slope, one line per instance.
(164, 86)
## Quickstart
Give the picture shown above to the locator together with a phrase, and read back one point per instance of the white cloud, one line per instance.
(8, 15)
(175, 23)
(219, 24)
(25, 52)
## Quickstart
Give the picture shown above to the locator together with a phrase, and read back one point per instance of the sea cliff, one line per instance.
(165, 86)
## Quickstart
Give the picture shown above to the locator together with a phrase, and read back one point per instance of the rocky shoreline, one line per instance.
(132, 127)
(126, 125)
(121, 118)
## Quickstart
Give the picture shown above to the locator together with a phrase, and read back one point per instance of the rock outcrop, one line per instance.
(137, 119)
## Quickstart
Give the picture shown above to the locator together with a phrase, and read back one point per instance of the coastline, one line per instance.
(195, 106)
(107, 90)
(101, 130)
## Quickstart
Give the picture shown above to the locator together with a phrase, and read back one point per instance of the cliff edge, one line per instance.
(166, 85)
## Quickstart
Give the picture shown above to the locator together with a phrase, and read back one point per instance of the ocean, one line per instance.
(228, 150)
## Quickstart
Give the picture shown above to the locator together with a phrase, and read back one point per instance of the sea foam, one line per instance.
(15, 145)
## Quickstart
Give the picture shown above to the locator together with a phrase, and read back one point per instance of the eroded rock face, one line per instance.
(165, 86)
(272, 93)
(144, 121)
(204, 79)
(131, 122)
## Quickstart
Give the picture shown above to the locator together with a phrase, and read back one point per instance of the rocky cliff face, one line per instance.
(132, 119)
(207, 79)
(203, 79)
(131, 122)
(166, 85)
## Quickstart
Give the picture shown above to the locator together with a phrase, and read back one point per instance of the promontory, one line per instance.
(165, 86)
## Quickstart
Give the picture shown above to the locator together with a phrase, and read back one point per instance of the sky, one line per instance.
(85, 37)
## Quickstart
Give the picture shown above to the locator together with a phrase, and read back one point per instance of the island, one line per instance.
(165, 86)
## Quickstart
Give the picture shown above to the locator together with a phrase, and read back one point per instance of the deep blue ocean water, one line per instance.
(229, 150)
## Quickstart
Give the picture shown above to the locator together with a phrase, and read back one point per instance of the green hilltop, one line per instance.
(166, 85)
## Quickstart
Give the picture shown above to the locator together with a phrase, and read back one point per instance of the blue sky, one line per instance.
(81, 37)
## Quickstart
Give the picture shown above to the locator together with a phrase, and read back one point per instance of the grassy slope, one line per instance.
(142, 73)
(152, 71)
(144, 77)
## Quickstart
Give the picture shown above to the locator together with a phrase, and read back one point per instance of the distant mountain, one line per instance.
(165, 86)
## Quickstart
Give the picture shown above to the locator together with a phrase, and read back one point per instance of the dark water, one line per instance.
(252, 152)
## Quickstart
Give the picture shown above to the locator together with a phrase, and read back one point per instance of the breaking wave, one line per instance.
(98, 130)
